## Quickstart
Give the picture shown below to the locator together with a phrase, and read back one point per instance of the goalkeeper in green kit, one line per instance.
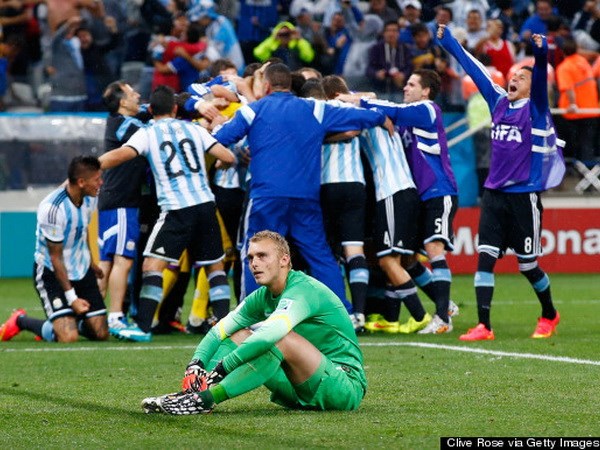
(302, 345)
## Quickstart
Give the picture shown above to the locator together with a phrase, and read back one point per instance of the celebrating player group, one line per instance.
(242, 176)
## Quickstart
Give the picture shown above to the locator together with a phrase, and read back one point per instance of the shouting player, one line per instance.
(525, 160)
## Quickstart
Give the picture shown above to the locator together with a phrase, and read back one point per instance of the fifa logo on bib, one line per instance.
(506, 133)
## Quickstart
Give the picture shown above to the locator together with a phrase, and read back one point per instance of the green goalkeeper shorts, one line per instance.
(331, 387)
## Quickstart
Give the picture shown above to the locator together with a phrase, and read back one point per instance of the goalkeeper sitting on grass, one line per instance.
(304, 350)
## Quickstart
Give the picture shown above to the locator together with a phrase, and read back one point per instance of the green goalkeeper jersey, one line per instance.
(306, 306)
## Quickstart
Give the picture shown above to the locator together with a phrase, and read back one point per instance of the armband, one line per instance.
(71, 296)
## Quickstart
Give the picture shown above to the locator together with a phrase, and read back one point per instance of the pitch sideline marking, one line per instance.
(563, 359)
(456, 348)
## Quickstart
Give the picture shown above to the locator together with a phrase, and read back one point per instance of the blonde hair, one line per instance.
(282, 246)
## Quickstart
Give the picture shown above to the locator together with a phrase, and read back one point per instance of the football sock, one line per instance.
(423, 278)
(541, 285)
(484, 304)
(407, 292)
(391, 305)
(215, 394)
(442, 278)
(173, 300)
(150, 297)
(199, 310)
(114, 316)
(224, 349)
(376, 301)
(170, 277)
(219, 293)
(25, 322)
(250, 375)
(484, 287)
(358, 279)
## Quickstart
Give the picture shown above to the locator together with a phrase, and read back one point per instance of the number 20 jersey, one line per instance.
(175, 150)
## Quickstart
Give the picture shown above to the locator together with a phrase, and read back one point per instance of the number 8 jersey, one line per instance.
(175, 150)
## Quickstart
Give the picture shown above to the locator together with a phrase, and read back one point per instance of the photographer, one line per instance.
(287, 44)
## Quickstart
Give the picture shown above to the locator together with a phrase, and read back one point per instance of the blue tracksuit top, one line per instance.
(285, 134)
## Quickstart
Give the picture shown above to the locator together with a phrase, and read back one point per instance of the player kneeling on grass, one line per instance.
(64, 274)
(305, 350)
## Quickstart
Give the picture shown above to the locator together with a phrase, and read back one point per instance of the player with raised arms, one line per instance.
(526, 159)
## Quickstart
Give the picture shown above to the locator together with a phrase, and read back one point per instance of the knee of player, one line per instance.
(527, 264)
(153, 265)
(101, 335)
(435, 248)
(66, 337)
(293, 342)
(240, 336)
(388, 263)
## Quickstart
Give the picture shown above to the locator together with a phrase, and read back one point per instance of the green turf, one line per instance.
(66, 396)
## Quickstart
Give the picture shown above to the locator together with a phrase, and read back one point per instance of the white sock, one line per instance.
(114, 316)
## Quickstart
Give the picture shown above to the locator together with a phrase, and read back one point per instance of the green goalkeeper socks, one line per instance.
(225, 348)
(249, 376)
(215, 394)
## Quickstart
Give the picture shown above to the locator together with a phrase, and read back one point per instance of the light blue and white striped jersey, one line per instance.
(175, 150)
(386, 156)
(59, 220)
(340, 163)
(421, 127)
(234, 177)
(227, 178)
(202, 89)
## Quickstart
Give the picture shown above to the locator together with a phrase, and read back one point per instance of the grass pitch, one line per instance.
(87, 395)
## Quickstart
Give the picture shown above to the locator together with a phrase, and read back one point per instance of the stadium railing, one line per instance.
(35, 149)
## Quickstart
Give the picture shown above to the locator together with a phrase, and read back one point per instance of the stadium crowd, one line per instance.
(60, 54)
(242, 83)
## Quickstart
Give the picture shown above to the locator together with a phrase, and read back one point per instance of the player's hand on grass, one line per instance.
(194, 379)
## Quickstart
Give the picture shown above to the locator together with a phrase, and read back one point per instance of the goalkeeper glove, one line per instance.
(216, 375)
(194, 379)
